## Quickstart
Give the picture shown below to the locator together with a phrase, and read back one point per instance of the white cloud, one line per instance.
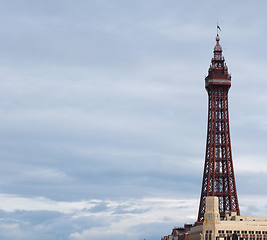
(119, 218)
(11, 203)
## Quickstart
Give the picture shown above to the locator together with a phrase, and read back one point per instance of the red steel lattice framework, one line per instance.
(218, 176)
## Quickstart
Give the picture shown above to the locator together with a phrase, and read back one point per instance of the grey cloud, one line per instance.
(99, 207)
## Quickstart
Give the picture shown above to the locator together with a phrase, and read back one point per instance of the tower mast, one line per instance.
(218, 176)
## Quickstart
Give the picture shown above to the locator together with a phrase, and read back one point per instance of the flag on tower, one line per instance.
(219, 27)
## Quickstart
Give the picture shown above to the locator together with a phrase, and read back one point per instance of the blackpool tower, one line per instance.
(218, 176)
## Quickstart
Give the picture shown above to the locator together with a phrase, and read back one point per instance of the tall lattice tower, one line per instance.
(218, 176)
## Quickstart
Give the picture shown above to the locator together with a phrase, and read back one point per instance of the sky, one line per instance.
(104, 112)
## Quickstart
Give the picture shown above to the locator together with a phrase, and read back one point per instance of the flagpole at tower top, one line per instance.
(218, 27)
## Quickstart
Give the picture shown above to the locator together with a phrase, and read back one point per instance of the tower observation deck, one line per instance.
(218, 176)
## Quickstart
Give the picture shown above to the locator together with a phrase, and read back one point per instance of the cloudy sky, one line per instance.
(104, 112)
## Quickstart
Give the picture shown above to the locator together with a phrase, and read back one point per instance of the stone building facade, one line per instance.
(231, 227)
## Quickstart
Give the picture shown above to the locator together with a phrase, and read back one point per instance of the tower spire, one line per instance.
(218, 176)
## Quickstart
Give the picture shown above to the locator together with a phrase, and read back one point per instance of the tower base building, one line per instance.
(231, 227)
